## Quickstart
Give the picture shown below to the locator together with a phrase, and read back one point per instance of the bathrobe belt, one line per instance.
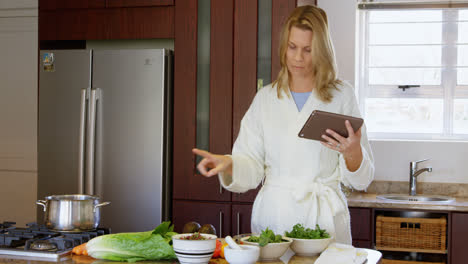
(323, 200)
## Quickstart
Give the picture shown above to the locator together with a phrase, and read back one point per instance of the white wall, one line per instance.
(18, 110)
(448, 159)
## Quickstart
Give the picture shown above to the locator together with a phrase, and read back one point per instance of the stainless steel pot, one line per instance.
(72, 213)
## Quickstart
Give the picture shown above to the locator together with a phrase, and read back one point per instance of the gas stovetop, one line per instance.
(38, 241)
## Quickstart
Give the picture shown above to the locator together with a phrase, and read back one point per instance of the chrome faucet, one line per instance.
(414, 173)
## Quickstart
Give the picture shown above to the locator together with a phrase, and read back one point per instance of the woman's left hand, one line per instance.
(350, 147)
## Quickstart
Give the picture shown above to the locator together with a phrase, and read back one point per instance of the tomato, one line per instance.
(217, 251)
(222, 250)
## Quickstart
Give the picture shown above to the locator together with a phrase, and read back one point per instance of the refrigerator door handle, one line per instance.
(81, 142)
(90, 146)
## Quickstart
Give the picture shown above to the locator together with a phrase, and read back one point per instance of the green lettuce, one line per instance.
(131, 247)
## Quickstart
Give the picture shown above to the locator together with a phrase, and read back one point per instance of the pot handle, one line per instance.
(99, 205)
(42, 203)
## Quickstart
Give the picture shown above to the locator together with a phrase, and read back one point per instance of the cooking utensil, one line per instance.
(232, 243)
(72, 213)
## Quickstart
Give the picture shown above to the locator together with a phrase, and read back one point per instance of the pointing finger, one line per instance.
(202, 153)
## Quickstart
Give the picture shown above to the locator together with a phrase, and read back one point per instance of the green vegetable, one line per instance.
(267, 236)
(306, 233)
(131, 247)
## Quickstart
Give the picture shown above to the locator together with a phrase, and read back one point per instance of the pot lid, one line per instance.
(72, 197)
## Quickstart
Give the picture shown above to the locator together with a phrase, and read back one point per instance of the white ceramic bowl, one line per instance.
(309, 247)
(248, 255)
(271, 251)
(194, 251)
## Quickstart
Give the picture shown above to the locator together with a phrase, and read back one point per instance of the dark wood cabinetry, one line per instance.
(138, 3)
(459, 238)
(240, 223)
(233, 84)
(217, 214)
(70, 4)
(361, 227)
(105, 19)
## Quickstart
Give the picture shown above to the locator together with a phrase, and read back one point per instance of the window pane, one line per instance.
(405, 16)
(460, 116)
(415, 76)
(462, 76)
(405, 56)
(402, 115)
(463, 14)
(414, 33)
(463, 32)
(462, 55)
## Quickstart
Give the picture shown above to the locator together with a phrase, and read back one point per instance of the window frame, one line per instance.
(448, 90)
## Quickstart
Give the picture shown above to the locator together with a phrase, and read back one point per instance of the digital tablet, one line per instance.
(319, 121)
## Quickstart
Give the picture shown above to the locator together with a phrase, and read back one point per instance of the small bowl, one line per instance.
(309, 247)
(194, 251)
(272, 251)
(248, 255)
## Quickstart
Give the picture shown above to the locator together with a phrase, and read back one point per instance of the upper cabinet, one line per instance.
(105, 19)
(222, 48)
(136, 3)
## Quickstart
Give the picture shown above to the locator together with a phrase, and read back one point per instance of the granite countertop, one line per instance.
(361, 199)
(374, 257)
(369, 199)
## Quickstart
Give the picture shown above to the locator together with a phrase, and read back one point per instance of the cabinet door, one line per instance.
(138, 3)
(241, 214)
(199, 120)
(68, 4)
(459, 238)
(361, 223)
(247, 196)
(217, 214)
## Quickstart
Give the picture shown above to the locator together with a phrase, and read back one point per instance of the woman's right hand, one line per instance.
(213, 164)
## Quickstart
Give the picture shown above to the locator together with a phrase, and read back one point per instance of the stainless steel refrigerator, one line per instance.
(105, 129)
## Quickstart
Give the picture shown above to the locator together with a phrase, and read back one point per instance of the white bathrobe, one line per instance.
(300, 177)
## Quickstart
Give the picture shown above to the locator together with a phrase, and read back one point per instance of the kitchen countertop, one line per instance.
(373, 258)
(362, 199)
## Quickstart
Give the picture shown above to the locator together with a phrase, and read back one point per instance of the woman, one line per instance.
(301, 177)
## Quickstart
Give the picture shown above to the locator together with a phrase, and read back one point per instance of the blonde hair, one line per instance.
(314, 19)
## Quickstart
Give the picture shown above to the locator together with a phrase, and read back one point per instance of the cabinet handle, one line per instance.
(81, 140)
(238, 223)
(220, 188)
(220, 224)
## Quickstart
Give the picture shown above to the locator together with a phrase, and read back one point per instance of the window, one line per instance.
(413, 71)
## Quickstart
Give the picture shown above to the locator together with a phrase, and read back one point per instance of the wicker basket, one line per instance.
(411, 234)
(391, 261)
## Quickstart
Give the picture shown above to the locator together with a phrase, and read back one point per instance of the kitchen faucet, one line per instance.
(414, 173)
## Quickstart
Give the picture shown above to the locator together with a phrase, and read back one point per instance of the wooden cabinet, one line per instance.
(233, 84)
(459, 238)
(105, 19)
(217, 214)
(361, 227)
(230, 219)
(241, 214)
(70, 4)
(138, 3)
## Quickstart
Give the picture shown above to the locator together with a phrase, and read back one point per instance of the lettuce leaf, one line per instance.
(131, 247)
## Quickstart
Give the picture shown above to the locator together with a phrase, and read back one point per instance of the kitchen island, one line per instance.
(374, 257)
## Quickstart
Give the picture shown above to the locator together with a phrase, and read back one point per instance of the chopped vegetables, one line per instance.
(300, 231)
(267, 236)
(195, 236)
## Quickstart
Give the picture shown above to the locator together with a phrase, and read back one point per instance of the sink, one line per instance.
(416, 198)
